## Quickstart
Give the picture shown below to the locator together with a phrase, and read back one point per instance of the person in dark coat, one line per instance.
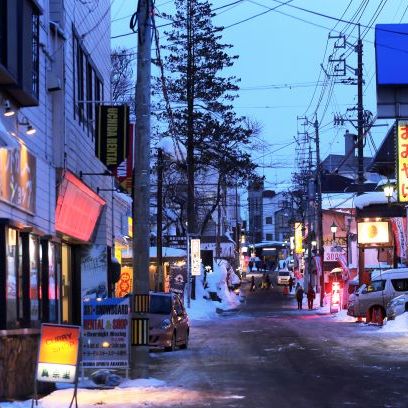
(299, 296)
(290, 284)
(252, 283)
(311, 294)
(250, 266)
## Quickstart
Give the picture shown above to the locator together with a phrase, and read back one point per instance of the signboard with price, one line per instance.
(332, 253)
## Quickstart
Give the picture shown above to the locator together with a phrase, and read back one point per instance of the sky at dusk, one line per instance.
(280, 56)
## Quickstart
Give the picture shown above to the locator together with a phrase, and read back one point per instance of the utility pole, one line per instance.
(141, 176)
(191, 221)
(360, 139)
(360, 115)
(159, 220)
(319, 210)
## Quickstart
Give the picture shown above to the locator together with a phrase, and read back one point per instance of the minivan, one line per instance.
(370, 301)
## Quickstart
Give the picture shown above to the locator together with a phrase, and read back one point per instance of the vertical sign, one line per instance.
(402, 160)
(195, 257)
(106, 333)
(112, 135)
(298, 238)
(178, 278)
(58, 354)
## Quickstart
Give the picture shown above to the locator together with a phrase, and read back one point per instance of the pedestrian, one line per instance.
(250, 266)
(299, 296)
(253, 283)
(311, 294)
(290, 284)
(268, 281)
(263, 285)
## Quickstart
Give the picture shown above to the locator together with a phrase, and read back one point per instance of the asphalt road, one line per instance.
(269, 354)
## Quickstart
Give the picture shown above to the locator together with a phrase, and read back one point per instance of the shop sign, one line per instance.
(18, 178)
(298, 238)
(125, 283)
(195, 256)
(106, 333)
(112, 134)
(58, 354)
(332, 252)
(402, 160)
(178, 278)
(373, 232)
(78, 208)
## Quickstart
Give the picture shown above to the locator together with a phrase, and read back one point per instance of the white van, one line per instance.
(371, 301)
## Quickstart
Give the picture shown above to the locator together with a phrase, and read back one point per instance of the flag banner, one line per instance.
(112, 135)
(343, 263)
(399, 228)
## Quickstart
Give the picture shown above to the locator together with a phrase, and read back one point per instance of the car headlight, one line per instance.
(165, 324)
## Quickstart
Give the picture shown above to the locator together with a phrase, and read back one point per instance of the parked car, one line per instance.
(397, 306)
(169, 325)
(371, 301)
(283, 277)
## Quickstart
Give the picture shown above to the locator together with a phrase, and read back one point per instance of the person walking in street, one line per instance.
(253, 283)
(290, 284)
(299, 296)
(250, 266)
(311, 294)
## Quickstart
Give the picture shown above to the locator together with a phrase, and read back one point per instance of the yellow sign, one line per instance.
(58, 355)
(402, 160)
(130, 227)
(298, 238)
(373, 232)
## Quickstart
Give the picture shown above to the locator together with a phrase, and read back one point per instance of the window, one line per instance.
(34, 278)
(88, 86)
(376, 286)
(12, 284)
(268, 220)
(400, 285)
(269, 237)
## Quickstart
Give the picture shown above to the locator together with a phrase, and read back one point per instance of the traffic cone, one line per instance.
(285, 290)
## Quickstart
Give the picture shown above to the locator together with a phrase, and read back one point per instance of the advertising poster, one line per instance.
(58, 355)
(94, 272)
(125, 283)
(105, 333)
(178, 278)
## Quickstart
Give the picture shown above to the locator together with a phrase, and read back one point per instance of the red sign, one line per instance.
(78, 208)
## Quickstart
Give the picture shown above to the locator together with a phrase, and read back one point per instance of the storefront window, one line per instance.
(34, 277)
(52, 282)
(11, 282)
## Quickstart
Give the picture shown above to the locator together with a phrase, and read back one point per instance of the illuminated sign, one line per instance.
(298, 238)
(58, 355)
(106, 333)
(78, 208)
(402, 160)
(373, 232)
(195, 257)
(125, 283)
(332, 252)
(18, 178)
(112, 134)
(130, 227)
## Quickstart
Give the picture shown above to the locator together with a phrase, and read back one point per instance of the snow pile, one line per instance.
(217, 283)
(400, 324)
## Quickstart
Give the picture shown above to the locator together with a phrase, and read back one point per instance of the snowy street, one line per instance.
(267, 354)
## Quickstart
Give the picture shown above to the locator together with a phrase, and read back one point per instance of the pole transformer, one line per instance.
(141, 175)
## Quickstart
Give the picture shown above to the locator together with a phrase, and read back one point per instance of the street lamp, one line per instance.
(333, 229)
(389, 190)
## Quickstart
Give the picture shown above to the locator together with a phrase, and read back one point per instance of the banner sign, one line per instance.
(195, 256)
(18, 178)
(94, 272)
(399, 229)
(402, 160)
(318, 263)
(124, 285)
(343, 263)
(112, 134)
(106, 333)
(298, 238)
(178, 278)
(58, 354)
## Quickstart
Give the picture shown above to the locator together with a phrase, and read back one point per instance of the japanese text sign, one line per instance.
(298, 238)
(195, 257)
(58, 355)
(402, 160)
